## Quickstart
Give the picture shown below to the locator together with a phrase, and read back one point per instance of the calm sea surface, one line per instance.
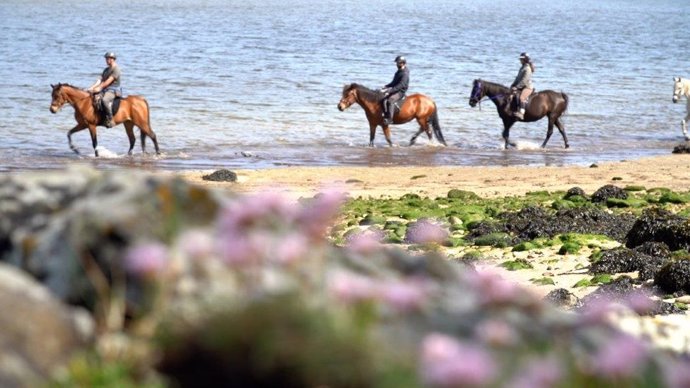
(255, 83)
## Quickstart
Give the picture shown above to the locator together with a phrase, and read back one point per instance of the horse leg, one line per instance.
(507, 123)
(561, 129)
(549, 132)
(372, 133)
(387, 134)
(129, 128)
(423, 127)
(77, 128)
(94, 140)
(684, 124)
(147, 131)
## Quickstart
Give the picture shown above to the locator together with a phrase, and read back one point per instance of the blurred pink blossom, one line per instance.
(447, 362)
(426, 231)
(621, 356)
(496, 332)
(289, 249)
(196, 244)
(596, 311)
(266, 209)
(147, 260)
(640, 301)
(403, 297)
(540, 373)
(677, 373)
(317, 215)
(365, 242)
(351, 288)
(492, 289)
(239, 249)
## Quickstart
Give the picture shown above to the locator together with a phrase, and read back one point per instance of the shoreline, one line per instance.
(672, 171)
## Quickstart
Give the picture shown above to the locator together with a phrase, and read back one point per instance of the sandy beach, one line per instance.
(672, 171)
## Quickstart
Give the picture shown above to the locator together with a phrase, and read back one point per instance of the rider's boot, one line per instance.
(108, 107)
(388, 112)
(520, 113)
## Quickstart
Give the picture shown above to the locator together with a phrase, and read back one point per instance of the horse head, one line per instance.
(477, 93)
(677, 88)
(58, 98)
(348, 98)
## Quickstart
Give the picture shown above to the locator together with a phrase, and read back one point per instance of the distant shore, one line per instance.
(671, 171)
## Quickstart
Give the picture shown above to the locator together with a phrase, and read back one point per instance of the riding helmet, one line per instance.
(400, 58)
(110, 54)
(524, 56)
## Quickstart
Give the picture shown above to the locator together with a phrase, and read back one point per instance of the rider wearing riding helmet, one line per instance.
(395, 90)
(109, 86)
(523, 84)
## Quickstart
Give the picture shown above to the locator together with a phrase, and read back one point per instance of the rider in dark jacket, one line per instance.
(395, 90)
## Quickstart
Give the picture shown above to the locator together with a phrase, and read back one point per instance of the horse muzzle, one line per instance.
(675, 99)
(341, 107)
(473, 103)
(54, 109)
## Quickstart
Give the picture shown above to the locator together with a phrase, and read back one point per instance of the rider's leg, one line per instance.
(107, 101)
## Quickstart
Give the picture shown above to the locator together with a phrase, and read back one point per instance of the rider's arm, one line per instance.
(97, 87)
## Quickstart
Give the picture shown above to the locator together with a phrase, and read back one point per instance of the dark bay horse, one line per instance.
(133, 110)
(416, 106)
(545, 103)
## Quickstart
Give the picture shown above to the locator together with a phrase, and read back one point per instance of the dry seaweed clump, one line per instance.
(674, 277)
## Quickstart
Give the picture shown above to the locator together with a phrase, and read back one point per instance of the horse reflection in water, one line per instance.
(133, 110)
(415, 106)
(546, 103)
(681, 87)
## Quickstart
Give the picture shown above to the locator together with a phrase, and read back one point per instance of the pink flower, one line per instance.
(426, 231)
(496, 332)
(596, 311)
(196, 244)
(640, 302)
(239, 249)
(492, 289)
(403, 297)
(677, 373)
(541, 373)
(317, 214)
(447, 362)
(290, 249)
(350, 288)
(263, 210)
(365, 242)
(622, 356)
(147, 260)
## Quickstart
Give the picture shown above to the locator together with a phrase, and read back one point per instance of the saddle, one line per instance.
(398, 104)
(514, 99)
(98, 105)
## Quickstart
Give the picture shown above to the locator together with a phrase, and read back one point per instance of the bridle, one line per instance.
(477, 92)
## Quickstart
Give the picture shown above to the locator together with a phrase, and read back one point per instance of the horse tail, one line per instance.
(437, 127)
(565, 98)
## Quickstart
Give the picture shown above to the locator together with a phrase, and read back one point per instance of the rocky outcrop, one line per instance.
(39, 333)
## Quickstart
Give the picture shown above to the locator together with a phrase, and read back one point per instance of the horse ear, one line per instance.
(676, 79)
(52, 86)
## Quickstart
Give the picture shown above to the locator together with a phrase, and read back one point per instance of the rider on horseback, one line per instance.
(523, 84)
(108, 86)
(395, 90)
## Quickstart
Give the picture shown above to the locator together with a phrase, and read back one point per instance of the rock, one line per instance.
(658, 225)
(674, 277)
(221, 176)
(683, 148)
(608, 191)
(39, 334)
(622, 260)
(574, 191)
(56, 222)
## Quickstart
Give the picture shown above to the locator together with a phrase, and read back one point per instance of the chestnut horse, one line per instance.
(415, 106)
(133, 110)
(545, 103)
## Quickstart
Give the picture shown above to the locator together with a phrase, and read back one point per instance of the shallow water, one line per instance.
(254, 84)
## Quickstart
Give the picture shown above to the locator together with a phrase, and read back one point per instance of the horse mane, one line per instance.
(494, 85)
(364, 92)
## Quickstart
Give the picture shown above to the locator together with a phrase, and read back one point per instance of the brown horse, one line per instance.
(545, 103)
(133, 110)
(415, 106)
